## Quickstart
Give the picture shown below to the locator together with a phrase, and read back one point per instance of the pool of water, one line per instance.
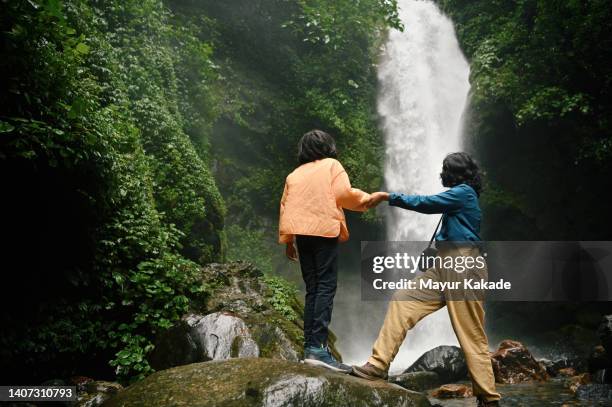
(548, 394)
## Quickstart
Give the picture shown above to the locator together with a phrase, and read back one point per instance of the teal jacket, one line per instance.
(459, 204)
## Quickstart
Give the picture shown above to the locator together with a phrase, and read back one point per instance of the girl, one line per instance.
(458, 236)
(312, 218)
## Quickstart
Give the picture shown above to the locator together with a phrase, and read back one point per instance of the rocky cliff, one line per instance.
(245, 315)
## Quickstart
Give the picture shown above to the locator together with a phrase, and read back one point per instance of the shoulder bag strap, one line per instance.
(435, 232)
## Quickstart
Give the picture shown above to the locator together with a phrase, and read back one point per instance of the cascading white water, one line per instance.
(423, 78)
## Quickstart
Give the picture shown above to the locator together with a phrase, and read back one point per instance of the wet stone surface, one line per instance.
(535, 394)
(261, 382)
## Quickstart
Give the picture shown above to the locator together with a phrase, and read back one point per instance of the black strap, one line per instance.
(435, 232)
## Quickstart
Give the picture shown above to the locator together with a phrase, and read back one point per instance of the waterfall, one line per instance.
(423, 79)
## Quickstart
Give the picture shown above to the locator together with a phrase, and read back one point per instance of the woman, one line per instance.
(458, 236)
(312, 218)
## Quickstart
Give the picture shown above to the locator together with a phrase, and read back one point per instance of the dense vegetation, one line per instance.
(540, 115)
(540, 123)
(113, 205)
(115, 117)
(288, 67)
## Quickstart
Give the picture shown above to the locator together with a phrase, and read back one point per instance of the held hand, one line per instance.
(291, 252)
(376, 198)
(370, 202)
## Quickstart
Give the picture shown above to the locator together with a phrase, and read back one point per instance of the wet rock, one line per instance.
(573, 383)
(175, 347)
(447, 361)
(554, 366)
(222, 336)
(547, 364)
(567, 372)
(238, 287)
(417, 381)
(80, 382)
(204, 337)
(598, 359)
(261, 382)
(594, 391)
(240, 321)
(448, 391)
(513, 363)
(53, 382)
(605, 332)
(96, 393)
(242, 290)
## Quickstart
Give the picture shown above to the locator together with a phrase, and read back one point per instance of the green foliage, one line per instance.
(156, 294)
(311, 65)
(540, 104)
(334, 24)
(101, 93)
(544, 60)
(115, 112)
(550, 104)
(249, 245)
(183, 186)
(282, 297)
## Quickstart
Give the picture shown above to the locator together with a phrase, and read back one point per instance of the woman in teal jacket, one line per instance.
(458, 236)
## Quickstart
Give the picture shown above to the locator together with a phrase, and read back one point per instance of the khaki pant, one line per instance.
(467, 317)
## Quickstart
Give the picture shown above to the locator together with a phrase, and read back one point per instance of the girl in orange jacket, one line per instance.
(312, 218)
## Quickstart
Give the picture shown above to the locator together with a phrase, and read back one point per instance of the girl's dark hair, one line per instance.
(315, 145)
(460, 168)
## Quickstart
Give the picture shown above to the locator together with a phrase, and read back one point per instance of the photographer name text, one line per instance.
(428, 284)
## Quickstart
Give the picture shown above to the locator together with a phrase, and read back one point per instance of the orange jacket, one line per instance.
(312, 201)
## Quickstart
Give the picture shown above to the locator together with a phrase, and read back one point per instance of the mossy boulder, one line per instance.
(261, 382)
(246, 314)
(94, 393)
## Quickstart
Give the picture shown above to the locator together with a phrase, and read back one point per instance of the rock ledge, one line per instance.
(261, 382)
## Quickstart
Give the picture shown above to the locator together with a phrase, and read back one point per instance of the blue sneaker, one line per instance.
(322, 357)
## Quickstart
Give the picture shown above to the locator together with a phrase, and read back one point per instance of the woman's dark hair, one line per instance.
(460, 168)
(315, 145)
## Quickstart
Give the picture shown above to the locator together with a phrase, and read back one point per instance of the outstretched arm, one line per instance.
(444, 202)
(347, 197)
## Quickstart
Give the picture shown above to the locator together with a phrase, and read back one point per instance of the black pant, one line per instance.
(319, 263)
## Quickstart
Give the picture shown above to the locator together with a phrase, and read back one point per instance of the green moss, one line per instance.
(247, 382)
